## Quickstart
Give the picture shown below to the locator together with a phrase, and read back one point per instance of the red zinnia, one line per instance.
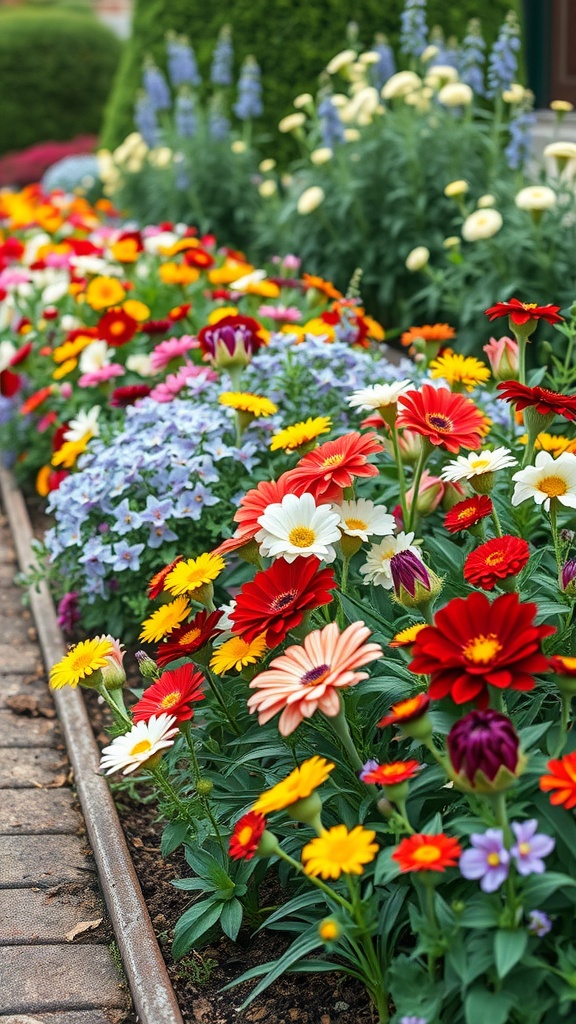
(156, 585)
(474, 643)
(334, 465)
(546, 402)
(180, 312)
(442, 417)
(496, 560)
(252, 505)
(408, 710)
(392, 774)
(189, 638)
(467, 513)
(171, 694)
(521, 312)
(246, 836)
(277, 598)
(427, 853)
(117, 327)
(127, 395)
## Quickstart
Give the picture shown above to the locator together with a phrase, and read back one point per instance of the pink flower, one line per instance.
(173, 348)
(101, 375)
(503, 358)
(284, 314)
(175, 382)
(430, 494)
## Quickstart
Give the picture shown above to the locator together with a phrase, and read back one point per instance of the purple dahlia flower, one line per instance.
(483, 741)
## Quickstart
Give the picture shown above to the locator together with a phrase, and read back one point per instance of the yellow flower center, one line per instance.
(479, 464)
(302, 537)
(465, 513)
(493, 859)
(140, 748)
(356, 524)
(82, 662)
(189, 637)
(495, 558)
(245, 835)
(170, 699)
(405, 707)
(569, 663)
(332, 460)
(529, 305)
(553, 486)
(117, 327)
(426, 854)
(482, 649)
(524, 849)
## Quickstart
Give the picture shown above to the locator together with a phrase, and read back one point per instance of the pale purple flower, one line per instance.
(127, 556)
(539, 923)
(530, 847)
(367, 768)
(413, 1020)
(487, 861)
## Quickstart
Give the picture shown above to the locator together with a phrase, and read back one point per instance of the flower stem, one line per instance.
(401, 474)
(216, 691)
(496, 520)
(416, 485)
(185, 727)
(159, 775)
(118, 709)
(342, 730)
(315, 881)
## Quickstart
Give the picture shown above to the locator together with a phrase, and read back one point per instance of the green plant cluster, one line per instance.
(290, 40)
(56, 69)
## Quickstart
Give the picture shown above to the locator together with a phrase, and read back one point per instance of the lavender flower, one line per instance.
(185, 115)
(145, 120)
(156, 87)
(413, 30)
(127, 556)
(481, 745)
(503, 63)
(221, 69)
(367, 768)
(182, 67)
(487, 861)
(331, 127)
(249, 103)
(386, 66)
(519, 147)
(530, 847)
(539, 923)
(473, 58)
(413, 1020)
(218, 122)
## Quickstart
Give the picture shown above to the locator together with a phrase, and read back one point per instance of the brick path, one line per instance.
(48, 884)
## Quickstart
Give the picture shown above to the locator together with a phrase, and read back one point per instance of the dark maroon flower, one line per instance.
(127, 395)
(483, 741)
(157, 326)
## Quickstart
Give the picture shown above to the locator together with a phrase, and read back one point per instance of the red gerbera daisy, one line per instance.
(442, 417)
(246, 836)
(408, 710)
(521, 312)
(546, 402)
(189, 638)
(496, 560)
(171, 694)
(334, 465)
(252, 506)
(427, 853)
(474, 644)
(117, 327)
(127, 395)
(156, 585)
(467, 513)
(277, 598)
(392, 774)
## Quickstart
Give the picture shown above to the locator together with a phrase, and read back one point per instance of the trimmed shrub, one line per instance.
(292, 40)
(56, 67)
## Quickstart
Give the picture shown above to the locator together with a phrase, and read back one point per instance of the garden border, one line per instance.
(150, 987)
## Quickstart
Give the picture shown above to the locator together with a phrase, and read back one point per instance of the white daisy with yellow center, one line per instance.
(548, 478)
(477, 463)
(378, 396)
(298, 526)
(376, 568)
(363, 519)
(134, 749)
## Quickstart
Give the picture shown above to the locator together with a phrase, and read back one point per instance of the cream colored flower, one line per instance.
(561, 150)
(321, 155)
(85, 422)
(456, 188)
(291, 122)
(535, 197)
(561, 106)
(298, 526)
(303, 100)
(456, 94)
(141, 364)
(477, 464)
(548, 478)
(363, 519)
(429, 53)
(417, 258)
(160, 157)
(268, 188)
(7, 350)
(400, 84)
(351, 135)
(515, 94)
(451, 242)
(94, 357)
(485, 201)
(376, 568)
(310, 200)
(362, 106)
(441, 74)
(135, 748)
(369, 57)
(266, 166)
(481, 224)
(340, 61)
(421, 100)
(379, 396)
(238, 146)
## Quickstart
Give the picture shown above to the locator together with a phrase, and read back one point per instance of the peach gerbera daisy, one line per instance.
(307, 678)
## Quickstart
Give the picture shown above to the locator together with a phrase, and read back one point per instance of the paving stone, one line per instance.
(23, 731)
(24, 686)
(29, 768)
(16, 632)
(42, 978)
(28, 916)
(74, 1017)
(23, 658)
(33, 811)
(44, 861)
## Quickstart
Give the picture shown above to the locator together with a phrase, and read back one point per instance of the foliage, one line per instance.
(56, 67)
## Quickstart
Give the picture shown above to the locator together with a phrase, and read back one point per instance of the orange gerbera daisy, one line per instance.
(391, 774)
(306, 679)
(326, 287)
(443, 418)
(561, 782)
(334, 465)
(408, 710)
(427, 853)
(429, 333)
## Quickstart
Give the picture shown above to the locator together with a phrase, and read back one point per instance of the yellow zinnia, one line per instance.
(407, 636)
(70, 349)
(85, 658)
(244, 401)
(164, 620)
(297, 786)
(300, 433)
(190, 575)
(64, 369)
(178, 273)
(460, 371)
(236, 653)
(68, 453)
(339, 851)
(103, 292)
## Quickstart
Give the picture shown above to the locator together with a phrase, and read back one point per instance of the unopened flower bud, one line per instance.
(113, 674)
(484, 751)
(415, 585)
(204, 787)
(568, 577)
(148, 668)
(503, 358)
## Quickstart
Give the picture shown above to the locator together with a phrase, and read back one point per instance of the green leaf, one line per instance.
(481, 1006)
(304, 944)
(509, 948)
(231, 918)
(173, 835)
(539, 887)
(306, 899)
(481, 913)
(386, 868)
(193, 924)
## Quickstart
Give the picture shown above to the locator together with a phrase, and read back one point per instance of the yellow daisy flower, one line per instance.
(85, 658)
(297, 786)
(164, 620)
(103, 292)
(64, 369)
(68, 453)
(236, 653)
(407, 636)
(300, 433)
(339, 851)
(460, 371)
(244, 401)
(553, 443)
(70, 349)
(193, 573)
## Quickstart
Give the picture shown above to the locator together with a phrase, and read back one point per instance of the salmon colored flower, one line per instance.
(443, 418)
(561, 781)
(427, 853)
(429, 333)
(334, 465)
(496, 560)
(306, 678)
(172, 694)
(246, 836)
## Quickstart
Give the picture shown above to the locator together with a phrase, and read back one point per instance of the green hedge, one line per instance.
(291, 39)
(56, 69)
